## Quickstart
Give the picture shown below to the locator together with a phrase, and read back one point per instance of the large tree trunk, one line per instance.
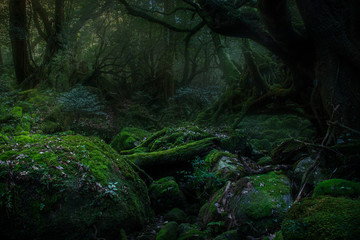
(1, 59)
(166, 75)
(18, 35)
(334, 27)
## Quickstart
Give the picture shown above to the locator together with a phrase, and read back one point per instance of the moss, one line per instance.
(129, 138)
(177, 215)
(16, 112)
(278, 236)
(169, 138)
(235, 141)
(323, 217)
(168, 232)
(165, 194)
(315, 176)
(288, 152)
(348, 148)
(229, 235)
(338, 187)
(50, 127)
(65, 185)
(261, 200)
(3, 139)
(224, 164)
(268, 131)
(177, 155)
(215, 155)
(30, 138)
(191, 232)
(266, 160)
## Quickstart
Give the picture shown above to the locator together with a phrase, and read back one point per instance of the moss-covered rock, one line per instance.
(224, 164)
(314, 177)
(260, 201)
(266, 160)
(288, 152)
(323, 217)
(268, 131)
(65, 187)
(129, 138)
(338, 187)
(189, 231)
(168, 232)
(229, 235)
(165, 194)
(177, 215)
(235, 141)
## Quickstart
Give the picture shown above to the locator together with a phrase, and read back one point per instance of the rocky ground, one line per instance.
(266, 179)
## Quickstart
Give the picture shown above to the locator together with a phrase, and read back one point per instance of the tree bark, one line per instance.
(230, 71)
(166, 75)
(18, 36)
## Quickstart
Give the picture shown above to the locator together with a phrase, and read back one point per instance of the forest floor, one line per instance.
(73, 169)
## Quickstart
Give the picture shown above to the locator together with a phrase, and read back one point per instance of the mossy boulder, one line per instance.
(177, 215)
(266, 160)
(338, 187)
(229, 235)
(168, 232)
(68, 187)
(129, 138)
(189, 231)
(165, 194)
(260, 201)
(323, 217)
(288, 152)
(269, 131)
(316, 176)
(224, 164)
(235, 141)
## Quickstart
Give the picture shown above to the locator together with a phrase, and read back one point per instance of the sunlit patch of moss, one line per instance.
(323, 217)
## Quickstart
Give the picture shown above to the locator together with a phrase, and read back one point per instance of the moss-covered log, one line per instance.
(172, 157)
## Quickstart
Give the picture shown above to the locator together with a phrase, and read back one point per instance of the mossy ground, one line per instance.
(337, 188)
(268, 131)
(323, 217)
